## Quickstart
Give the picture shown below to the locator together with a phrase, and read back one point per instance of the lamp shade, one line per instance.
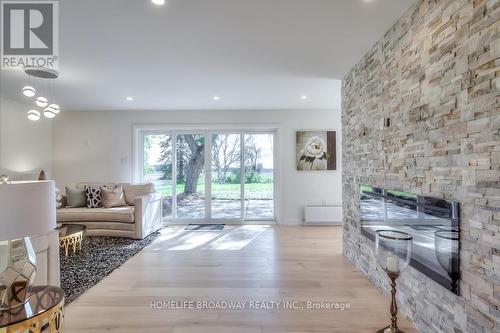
(28, 209)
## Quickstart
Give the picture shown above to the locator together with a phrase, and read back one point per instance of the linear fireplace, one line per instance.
(433, 223)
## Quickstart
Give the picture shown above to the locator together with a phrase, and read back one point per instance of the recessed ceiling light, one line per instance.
(216, 98)
(304, 97)
(158, 2)
(130, 98)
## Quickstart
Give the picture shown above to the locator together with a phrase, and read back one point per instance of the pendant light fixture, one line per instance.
(54, 108)
(29, 91)
(33, 115)
(41, 87)
(41, 101)
(48, 113)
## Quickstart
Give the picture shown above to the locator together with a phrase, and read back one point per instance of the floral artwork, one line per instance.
(316, 150)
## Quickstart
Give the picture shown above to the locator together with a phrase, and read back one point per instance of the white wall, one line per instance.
(97, 146)
(25, 146)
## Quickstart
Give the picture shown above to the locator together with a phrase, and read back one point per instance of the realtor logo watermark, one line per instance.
(29, 34)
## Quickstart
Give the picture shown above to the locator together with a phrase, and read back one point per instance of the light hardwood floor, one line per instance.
(241, 263)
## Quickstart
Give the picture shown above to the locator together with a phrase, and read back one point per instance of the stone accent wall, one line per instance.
(421, 114)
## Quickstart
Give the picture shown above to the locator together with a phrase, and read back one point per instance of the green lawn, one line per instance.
(366, 188)
(227, 191)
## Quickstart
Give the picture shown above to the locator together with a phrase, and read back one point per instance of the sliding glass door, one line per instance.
(259, 176)
(158, 160)
(226, 176)
(190, 176)
(211, 176)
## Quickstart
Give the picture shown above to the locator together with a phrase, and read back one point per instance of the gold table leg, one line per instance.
(71, 240)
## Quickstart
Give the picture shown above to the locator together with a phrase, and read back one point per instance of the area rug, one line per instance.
(98, 258)
(205, 227)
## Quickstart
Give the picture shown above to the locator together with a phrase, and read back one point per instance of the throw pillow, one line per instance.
(112, 198)
(75, 197)
(133, 191)
(94, 199)
(59, 199)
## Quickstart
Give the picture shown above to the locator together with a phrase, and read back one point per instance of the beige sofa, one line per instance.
(137, 221)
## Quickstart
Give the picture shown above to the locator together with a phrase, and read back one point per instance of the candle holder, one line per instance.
(393, 250)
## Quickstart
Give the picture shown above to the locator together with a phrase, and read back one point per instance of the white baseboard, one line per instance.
(339, 223)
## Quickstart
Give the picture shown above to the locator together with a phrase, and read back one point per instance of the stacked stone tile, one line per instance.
(421, 114)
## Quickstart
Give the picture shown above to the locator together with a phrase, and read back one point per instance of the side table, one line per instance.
(43, 312)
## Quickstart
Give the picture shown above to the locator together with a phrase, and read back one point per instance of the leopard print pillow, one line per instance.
(94, 197)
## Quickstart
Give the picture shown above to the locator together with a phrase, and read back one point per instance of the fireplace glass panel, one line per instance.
(433, 224)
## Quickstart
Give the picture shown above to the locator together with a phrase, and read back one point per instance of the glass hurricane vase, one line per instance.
(393, 251)
(447, 254)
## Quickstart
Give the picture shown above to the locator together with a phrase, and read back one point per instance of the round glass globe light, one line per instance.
(29, 91)
(55, 108)
(49, 113)
(41, 102)
(33, 115)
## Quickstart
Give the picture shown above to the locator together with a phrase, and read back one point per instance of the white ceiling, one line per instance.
(254, 54)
